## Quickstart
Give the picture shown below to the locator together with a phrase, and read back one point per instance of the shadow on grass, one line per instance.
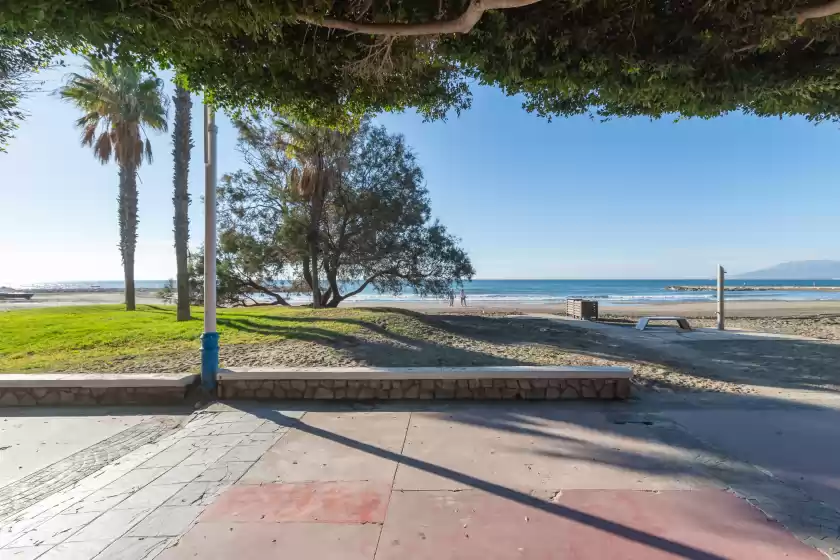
(386, 349)
(783, 363)
(401, 337)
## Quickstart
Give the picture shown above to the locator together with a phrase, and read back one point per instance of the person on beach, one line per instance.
(451, 298)
(463, 298)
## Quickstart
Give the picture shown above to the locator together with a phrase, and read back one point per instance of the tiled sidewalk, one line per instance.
(453, 482)
(136, 506)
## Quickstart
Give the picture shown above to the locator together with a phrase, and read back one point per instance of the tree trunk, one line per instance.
(314, 240)
(333, 281)
(313, 259)
(181, 146)
(127, 201)
(325, 297)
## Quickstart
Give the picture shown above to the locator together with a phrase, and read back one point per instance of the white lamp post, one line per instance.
(210, 338)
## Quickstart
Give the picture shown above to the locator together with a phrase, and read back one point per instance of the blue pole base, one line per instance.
(209, 360)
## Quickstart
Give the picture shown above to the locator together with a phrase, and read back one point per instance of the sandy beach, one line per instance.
(687, 309)
(432, 333)
(54, 299)
(706, 309)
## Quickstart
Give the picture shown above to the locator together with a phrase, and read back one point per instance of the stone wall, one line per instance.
(530, 389)
(48, 396)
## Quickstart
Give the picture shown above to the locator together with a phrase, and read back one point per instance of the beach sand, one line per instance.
(432, 333)
(687, 309)
(54, 299)
(751, 309)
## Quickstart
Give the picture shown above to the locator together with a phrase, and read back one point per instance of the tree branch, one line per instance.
(816, 12)
(367, 282)
(462, 24)
(278, 298)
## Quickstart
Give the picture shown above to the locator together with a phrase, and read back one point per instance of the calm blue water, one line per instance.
(555, 291)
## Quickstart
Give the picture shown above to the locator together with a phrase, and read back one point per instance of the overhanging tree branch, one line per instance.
(462, 24)
(816, 12)
(259, 288)
(367, 282)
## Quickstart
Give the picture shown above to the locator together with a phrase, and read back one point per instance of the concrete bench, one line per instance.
(682, 322)
(26, 389)
(363, 383)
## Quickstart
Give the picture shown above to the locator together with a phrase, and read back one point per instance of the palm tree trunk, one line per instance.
(313, 259)
(127, 201)
(314, 242)
(182, 144)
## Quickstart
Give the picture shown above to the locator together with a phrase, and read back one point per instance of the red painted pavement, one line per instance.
(343, 520)
(704, 524)
(322, 502)
(275, 541)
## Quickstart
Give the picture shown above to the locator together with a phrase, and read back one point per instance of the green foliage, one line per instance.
(79, 338)
(624, 58)
(612, 57)
(118, 102)
(374, 226)
(20, 58)
(245, 53)
(238, 278)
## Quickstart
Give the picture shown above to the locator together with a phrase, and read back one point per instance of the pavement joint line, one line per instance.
(393, 482)
(66, 504)
(752, 483)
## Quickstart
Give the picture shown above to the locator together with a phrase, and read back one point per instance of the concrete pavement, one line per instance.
(460, 480)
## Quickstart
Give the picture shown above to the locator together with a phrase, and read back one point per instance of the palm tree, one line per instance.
(320, 158)
(181, 145)
(118, 102)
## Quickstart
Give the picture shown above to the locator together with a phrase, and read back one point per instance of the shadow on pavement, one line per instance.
(559, 510)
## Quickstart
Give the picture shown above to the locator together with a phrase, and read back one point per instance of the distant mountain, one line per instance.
(796, 270)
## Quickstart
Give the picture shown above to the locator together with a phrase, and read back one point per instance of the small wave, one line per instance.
(663, 297)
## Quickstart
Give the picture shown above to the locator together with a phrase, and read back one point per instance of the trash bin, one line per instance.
(580, 308)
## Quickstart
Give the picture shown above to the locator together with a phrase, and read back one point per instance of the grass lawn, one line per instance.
(92, 337)
(105, 338)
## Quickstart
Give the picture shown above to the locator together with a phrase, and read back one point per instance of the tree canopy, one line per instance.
(20, 57)
(374, 224)
(609, 57)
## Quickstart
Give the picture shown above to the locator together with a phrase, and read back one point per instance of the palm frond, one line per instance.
(102, 149)
(119, 99)
(87, 135)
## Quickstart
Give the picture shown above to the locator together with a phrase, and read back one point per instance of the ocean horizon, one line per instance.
(608, 292)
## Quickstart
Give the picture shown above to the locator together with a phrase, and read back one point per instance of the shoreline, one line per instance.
(780, 288)
(691, 309)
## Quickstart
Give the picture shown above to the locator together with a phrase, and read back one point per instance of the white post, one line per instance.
(210, 338)
(720, 305)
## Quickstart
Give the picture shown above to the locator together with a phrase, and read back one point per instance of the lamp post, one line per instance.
(721, 318)
(210, 338)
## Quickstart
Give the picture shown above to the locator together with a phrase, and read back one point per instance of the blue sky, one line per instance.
(574, 198)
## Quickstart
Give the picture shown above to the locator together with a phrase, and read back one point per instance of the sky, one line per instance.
(571, 198)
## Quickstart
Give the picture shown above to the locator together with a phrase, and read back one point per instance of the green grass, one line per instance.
(59, 338)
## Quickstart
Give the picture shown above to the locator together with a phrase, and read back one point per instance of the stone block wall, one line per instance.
(481, 389)
(51, 396)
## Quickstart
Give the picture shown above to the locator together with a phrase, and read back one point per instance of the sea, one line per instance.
(537, 292)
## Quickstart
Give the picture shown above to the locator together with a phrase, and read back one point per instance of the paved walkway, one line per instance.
(491, 481)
